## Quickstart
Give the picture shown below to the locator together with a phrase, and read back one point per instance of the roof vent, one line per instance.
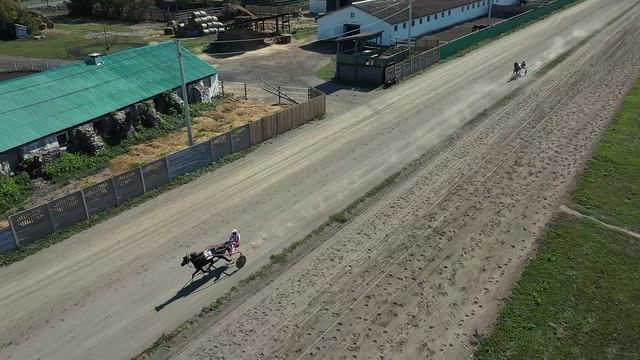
(94, 59)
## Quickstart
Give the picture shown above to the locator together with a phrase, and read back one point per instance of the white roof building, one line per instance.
(392, 17)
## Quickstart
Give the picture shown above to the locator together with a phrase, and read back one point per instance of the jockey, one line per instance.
(233, 242)
(516, 67)
(523, 65)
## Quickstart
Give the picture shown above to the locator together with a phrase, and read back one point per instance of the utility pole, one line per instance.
(185, 97)
(409, 34)
(490, 6)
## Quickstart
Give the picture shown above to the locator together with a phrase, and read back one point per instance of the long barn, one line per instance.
(392, 17)
(39, 111)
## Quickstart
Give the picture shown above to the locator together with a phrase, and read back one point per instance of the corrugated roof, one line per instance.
(397, 11)
(34, 106)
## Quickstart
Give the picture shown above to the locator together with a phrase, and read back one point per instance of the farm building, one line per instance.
(326, 6)
(392, 17)
(69, 105)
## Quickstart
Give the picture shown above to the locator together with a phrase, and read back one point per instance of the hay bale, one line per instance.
(232, 11)
(206, 32)
(168, 30)
(42, 26)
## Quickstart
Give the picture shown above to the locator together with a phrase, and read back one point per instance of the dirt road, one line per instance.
(110, 292)
(417, 275)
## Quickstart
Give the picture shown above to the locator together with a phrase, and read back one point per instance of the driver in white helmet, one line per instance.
(233, 242)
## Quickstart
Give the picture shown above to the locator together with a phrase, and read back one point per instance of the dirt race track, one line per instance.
(415, 274)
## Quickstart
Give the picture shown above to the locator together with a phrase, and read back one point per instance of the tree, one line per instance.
(11, 13)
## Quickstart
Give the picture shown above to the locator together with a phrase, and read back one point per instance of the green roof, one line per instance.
(34, 106)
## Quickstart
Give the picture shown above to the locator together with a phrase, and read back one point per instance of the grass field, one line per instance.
(328, 71)
(580, 297)
(610, 188)
(75, 38)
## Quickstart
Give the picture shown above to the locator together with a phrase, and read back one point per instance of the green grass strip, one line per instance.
(610, 187)
(579, 299)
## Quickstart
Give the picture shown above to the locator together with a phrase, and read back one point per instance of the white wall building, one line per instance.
(392, 16)
(318, 6)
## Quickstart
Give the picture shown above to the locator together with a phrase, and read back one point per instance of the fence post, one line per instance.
(31, 61)
(230, 141)
(15, 66)
(53, 225)
(144, 186)
(166, 165)
(13, 230)
(115, 190)
(84, 203)
(222, 86)
(245, 92)
(279, 98)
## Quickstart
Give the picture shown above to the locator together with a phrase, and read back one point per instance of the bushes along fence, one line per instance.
(36, 223)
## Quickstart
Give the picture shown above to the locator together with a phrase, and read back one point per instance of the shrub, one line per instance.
(70, 165)
(13, 191)
(12, 12)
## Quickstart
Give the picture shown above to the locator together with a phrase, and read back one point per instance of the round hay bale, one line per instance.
(195, 14)
(168, 30)
(204, 26)
(206, 32)
(214, 18)
(203, 13)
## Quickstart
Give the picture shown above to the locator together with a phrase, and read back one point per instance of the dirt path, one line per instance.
(95, 294)
(419, 274)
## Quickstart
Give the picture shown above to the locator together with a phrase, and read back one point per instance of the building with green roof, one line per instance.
(38, 110)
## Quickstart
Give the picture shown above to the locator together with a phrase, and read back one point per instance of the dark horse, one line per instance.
(199, 260)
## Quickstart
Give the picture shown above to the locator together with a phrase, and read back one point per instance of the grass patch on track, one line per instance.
(610, 187)
(577, 300)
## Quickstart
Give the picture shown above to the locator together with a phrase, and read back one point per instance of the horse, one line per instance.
(200, 260)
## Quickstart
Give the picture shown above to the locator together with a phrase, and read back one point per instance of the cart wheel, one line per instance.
(241, 261)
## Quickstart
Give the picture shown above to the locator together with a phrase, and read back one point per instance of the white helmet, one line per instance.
(234, 231)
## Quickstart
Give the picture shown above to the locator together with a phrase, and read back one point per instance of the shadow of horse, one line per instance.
(194, 286)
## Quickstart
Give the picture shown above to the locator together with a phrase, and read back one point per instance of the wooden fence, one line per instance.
(31, 225)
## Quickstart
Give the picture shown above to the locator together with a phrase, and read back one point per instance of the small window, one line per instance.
(462, 8)
(428, 18)
(468, 7)
(443, 14)
(435, 17)
(413, 23)
(404, 25)
(449, 13)
(62, 138)
(420, 21)
(473, 6)
(353, 14)
(395, 27)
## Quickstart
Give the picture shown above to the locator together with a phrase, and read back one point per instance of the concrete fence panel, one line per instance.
(31, 225)
(7, 242)
(67, 210)
(155, 174)
(240, 138)
(100, 197)
(189, 159)
(129, 185)
(221, 146)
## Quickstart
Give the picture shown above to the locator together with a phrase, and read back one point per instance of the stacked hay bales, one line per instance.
(198, 24)
(204, 24)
